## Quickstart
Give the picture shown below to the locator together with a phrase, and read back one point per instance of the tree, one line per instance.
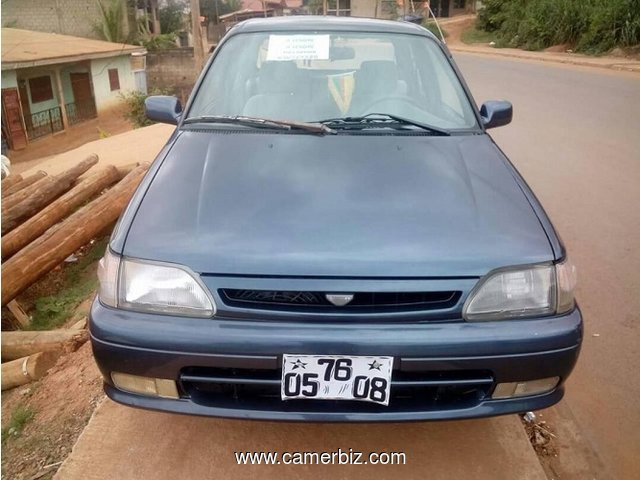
(110, 24)
(172, 16)
(316, 7)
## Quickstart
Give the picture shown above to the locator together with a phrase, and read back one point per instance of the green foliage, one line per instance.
(154, 42)
(475, 35)
(79, 282)
(109, 26)
(135, 103)
(593, 26)
(314, 6)
(19, 419)
(433, 28)
(172, 16)
(159, 42)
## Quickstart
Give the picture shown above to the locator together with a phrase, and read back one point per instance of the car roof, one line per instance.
(328, 23)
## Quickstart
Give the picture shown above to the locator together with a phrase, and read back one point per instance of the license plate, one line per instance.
(336, 377)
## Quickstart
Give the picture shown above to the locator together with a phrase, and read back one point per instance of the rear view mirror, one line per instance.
(163, 109)
(496, 113)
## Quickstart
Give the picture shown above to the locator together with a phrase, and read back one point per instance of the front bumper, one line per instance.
(161, 346)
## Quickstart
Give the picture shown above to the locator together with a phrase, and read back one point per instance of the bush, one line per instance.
(159, 42)
(593, 26)
(433, 28)
(135, 106)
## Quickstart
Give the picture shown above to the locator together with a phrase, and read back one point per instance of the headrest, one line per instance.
(375, 76)
(279, 77)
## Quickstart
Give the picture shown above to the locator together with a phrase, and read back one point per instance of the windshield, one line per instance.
(311, 77)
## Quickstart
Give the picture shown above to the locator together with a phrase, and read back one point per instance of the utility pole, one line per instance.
(198, 47)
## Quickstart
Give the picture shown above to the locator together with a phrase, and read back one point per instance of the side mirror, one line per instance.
(163, 109)
(496, 113)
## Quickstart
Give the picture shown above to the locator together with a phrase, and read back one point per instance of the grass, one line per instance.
(79, 282)
(590, 26)
(474, 35)
(433, 28)
(19, 419)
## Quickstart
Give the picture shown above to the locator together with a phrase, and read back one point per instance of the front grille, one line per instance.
(260, 389)
(363, 302)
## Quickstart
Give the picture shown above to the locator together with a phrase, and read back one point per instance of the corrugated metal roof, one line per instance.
(25, 48)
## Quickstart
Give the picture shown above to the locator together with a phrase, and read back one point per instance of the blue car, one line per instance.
(330, 234)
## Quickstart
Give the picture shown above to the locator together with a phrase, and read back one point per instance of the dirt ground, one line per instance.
(62, 402)
(108, 124)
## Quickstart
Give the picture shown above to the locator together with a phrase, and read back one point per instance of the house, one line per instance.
(392, 9)
(51, 81)
(282, 5)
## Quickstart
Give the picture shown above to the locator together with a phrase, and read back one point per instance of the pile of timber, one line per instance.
(45, 219)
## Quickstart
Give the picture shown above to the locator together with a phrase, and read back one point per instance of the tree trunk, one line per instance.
(25, 370)
(60, 241)
(19, 314)
(15, 215)
(10, 181)
(57, 210)
(26, 192)
(20, 344)
(23, 183)
(125, 169)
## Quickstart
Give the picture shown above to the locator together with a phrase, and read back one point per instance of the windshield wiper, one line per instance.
(374, 120)
(261, 123)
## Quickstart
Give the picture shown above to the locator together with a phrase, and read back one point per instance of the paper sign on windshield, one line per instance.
(298, 47)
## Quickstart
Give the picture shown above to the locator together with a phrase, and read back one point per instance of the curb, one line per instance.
(633, 67)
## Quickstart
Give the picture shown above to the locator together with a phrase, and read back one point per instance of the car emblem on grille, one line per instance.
(339, 300)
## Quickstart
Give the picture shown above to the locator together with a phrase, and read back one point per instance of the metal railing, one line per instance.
(44, 123)
(79, 112)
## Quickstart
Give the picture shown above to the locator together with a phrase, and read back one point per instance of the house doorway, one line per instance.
(83, 106)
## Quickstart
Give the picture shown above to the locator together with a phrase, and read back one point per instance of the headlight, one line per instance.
(521, 292)
(152, 287)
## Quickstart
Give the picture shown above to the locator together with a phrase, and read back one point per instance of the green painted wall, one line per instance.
(9, 79)
(106, 98)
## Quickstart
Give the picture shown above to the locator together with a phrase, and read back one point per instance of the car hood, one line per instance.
(264, 203)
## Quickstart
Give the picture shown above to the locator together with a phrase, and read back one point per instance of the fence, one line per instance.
(44, 123)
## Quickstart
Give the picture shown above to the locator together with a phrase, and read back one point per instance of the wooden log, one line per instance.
(26, 192)
(79, 325)
(57, 210)
(23, 183)
(14, 216)
(20, 315)
(25, 370)
(10, 181)
(61, 240)
(20, 344)
(125, 169)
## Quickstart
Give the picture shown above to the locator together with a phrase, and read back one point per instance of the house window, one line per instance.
(340, 8)
(40, 89)
(114, 79)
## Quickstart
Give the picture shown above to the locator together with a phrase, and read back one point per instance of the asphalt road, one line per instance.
(576, 140)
